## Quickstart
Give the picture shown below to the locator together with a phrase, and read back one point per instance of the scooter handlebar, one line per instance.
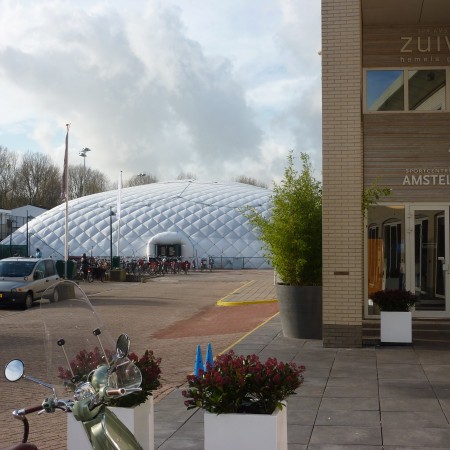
(115, 392)
(20, 413)
(120, 391)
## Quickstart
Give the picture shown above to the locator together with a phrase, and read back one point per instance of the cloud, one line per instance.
(160, 87)
(134, 87)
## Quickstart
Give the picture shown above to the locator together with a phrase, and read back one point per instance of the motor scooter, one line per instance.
(80, 362)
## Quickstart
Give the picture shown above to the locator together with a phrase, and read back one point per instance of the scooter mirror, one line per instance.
(14, 370)
(122, 346)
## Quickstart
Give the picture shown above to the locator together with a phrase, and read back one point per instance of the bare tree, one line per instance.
(86, 180)
(76, 175)
(248, 180)
(139, 179)
(96, 182)
(8, 162)
(186, 176)
(38, 181)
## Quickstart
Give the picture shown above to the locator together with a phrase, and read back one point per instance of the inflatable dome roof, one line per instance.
(187, 218)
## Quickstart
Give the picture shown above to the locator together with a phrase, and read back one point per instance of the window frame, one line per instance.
(406, 90)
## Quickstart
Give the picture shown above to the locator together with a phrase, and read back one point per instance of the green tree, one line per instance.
(372, 194)
(292, 235)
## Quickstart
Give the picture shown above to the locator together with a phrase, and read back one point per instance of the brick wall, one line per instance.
(342, 174)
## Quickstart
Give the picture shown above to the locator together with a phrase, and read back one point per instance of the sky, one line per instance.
(213, 88)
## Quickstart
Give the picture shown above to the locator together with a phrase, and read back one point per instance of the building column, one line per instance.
(343, 261)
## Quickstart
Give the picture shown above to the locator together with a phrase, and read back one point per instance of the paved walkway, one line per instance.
(383, 397)
(357, 399)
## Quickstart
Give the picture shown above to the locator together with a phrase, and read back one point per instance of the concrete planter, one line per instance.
(246, 431)
(139, 420)
(396, 327)
(117, 275)
(300, 311)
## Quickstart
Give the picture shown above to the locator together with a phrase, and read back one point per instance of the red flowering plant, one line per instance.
(394, 300)
(85, 362)
(243, 384)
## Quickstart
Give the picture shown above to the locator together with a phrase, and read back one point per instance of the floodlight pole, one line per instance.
(83, 154)
(111, 214)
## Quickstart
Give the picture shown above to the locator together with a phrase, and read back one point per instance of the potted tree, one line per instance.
(243, 401)
(134, 410)
(395, 314)
(292, 240)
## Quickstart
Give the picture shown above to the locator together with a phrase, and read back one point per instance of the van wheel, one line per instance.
(28, 302)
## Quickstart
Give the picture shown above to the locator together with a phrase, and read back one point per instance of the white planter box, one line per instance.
(139, 420)
(396, 327)
(246, 431)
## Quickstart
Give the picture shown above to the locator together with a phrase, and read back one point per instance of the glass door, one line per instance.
(428, 261)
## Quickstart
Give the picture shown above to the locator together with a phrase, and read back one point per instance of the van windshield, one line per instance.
(16, 268)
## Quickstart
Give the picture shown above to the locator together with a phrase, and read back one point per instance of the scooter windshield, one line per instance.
(77, 342)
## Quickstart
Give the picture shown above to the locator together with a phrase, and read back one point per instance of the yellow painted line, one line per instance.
(248, 334)
(236, 290)
(223, 302)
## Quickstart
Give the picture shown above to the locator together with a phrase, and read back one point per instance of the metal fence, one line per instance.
(228, 262)
(12, 250)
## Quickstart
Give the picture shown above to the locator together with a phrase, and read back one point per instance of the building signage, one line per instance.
(425, 45)
(406, 46)
(427, 177)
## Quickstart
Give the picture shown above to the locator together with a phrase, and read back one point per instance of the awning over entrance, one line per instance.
(170, 238)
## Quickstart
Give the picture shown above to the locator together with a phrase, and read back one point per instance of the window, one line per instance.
(49, 268)
(426, 90)
(385, 90)
(406, 90)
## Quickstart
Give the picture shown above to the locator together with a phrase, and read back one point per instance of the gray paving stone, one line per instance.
(299, 434)
(405, 419)
(409, 404)
(297, 417)
(401, 372)
(344, 447)
(399, 391)
(437, 372)
(346, 435)
(350, 391)
(348, 418)
(352, 372)
(417, 437)
(349, 404)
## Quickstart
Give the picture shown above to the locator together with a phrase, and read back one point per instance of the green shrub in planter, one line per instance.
(292, 235)
(394, 300)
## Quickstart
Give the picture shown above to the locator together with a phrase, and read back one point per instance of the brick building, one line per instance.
(386, 122)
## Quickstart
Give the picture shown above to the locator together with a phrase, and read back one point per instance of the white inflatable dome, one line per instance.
(194, 219)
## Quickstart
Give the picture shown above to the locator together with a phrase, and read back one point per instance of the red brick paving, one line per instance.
(217, 320)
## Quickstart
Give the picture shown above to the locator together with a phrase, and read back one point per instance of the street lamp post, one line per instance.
(28, 244)
(111, 214)
(10, 223)
(83, 154)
